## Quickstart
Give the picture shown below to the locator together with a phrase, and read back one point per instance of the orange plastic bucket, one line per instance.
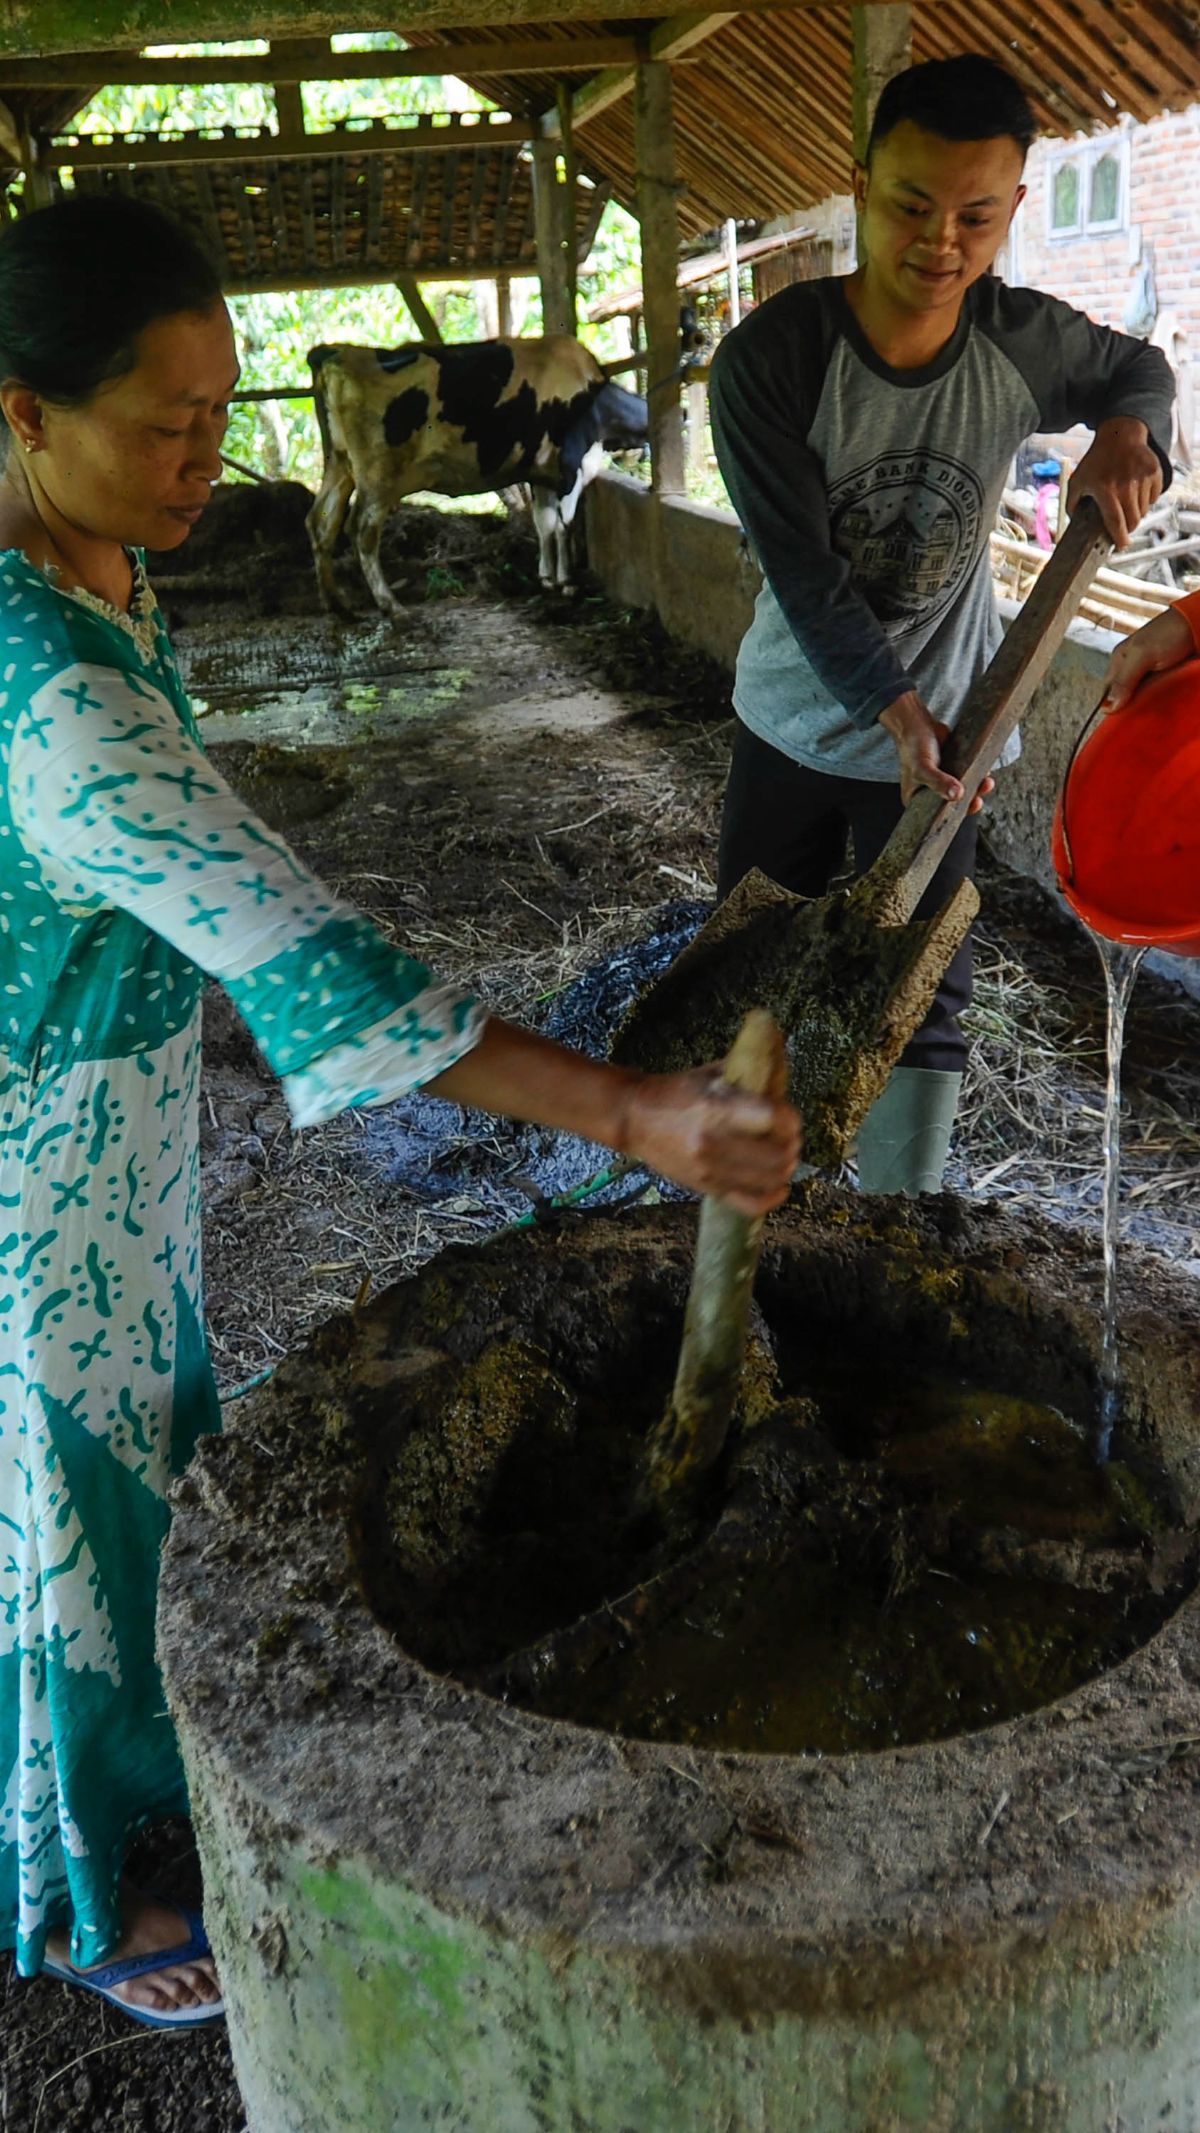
(1126, 836)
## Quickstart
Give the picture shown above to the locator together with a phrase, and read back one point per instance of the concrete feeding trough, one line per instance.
(869, 1803)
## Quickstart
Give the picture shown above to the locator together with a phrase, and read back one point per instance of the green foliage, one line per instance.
(442, 584)
(614, 262)
(128, 110)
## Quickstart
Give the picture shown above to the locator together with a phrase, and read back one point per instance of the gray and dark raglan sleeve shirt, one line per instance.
(869, 493)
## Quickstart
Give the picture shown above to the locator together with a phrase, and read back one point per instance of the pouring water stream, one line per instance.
(1121, 966)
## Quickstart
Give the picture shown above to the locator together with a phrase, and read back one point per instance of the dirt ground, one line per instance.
(525, 793)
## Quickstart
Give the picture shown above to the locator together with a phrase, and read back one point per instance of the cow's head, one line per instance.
(606, 415)
(621, 419)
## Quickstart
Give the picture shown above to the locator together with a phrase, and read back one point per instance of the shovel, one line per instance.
(850, 977)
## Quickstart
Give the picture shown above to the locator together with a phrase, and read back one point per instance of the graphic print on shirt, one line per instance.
(908, 524)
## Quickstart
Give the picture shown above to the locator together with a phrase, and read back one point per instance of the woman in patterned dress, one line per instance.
(128, 871)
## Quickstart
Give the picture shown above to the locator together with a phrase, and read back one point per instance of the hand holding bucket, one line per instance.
(1126, 835)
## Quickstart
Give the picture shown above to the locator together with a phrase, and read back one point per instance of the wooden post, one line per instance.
(569, 234)
(731, 269)
(12, 140)
(881, 39)
(487, 309)
(657, 192)
(422, 317)
(697, 407)
(558, 314)
(39, 185)
(289, 107)
(504, 324)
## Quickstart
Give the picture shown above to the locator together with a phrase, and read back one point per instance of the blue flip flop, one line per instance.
(109, 1975)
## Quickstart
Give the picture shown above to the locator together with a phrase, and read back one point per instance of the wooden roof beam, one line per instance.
(668, 40)
(89, 152)
(313, 60)
(369, 277)
(29, 29)
(289, 107)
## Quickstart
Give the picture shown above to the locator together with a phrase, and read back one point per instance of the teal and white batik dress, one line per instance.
(127, 870)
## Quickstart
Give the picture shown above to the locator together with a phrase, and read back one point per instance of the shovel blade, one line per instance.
(847, 992)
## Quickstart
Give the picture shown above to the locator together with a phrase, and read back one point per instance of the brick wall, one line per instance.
(1161, 208)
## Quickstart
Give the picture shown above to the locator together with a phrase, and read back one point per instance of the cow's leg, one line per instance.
(566, 542)
(324, 523)
(546, 525)
(563, 558)
(373, 516)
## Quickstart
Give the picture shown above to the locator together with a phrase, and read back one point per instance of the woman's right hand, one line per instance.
(694, 1128)
(1156, 646)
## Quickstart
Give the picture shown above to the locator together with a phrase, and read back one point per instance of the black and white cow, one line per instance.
(458, 420)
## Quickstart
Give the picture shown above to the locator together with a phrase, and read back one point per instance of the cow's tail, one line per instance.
(317, 357)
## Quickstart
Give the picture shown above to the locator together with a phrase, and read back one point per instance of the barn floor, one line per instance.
(524, 793)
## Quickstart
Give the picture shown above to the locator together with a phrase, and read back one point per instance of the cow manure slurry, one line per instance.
(892, 1552)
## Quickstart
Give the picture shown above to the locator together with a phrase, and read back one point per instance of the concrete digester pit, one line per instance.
(868, 1802)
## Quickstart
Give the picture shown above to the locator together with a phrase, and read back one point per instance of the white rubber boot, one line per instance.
(904, 1139)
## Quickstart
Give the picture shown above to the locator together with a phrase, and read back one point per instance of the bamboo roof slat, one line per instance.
(247, 234)
(527, 241)
(277, 213)
(308, 211)
(206, 215)
(416, 213)
(374, 230)
(500, 247)
(1063, 78)
(480, 175)
(763, 107)
(1164, 38)
(337, 213)
(449, 178)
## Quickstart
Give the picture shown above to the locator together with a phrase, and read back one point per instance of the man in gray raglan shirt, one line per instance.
(865, 426)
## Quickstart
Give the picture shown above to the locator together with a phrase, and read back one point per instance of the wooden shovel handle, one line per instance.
(690, 1436)
(918, 844)
(756, 1061)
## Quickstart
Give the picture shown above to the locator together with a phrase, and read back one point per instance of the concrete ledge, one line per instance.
(690, 564)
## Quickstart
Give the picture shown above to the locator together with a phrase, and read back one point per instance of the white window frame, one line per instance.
(1057, 233)
(1085, 155)
(1120, 149)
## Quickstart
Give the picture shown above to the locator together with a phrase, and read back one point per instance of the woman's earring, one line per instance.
(30, 443)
